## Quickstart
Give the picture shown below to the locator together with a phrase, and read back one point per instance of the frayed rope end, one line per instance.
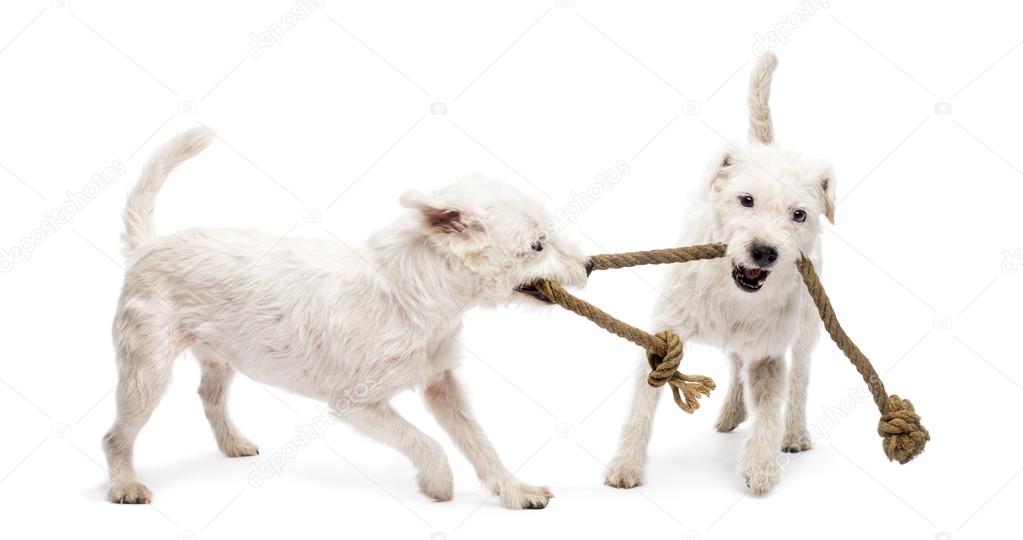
(904, 437)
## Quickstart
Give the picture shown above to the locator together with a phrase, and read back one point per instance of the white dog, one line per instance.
(765, 203)
(352, 329)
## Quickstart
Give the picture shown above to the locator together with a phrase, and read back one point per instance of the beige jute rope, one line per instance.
(903, 436)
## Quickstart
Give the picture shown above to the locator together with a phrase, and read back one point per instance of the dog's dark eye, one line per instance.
(799, 216)
(746, 200)
(537, 246)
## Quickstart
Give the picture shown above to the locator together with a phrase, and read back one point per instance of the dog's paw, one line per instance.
(760, 470)
(129, 493)
(624, 475)
(239, 447)
(516, 495)
(797, 441)
(730, 418)
(437, 484)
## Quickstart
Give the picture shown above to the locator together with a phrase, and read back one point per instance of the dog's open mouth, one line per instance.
(749, 279)
(531, 291)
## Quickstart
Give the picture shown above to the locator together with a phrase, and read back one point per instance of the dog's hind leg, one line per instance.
(759, 459)
(733, 412)
(797, 437)
(627, 468)
(213, 389)
(446, 401)
(381, 422)
(145, 355)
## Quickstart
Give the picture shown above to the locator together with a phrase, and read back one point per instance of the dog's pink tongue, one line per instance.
(752, 273)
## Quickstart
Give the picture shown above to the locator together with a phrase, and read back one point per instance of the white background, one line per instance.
(337, 119)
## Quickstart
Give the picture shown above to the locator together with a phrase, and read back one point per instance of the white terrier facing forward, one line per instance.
(313, 318)
(765, 203)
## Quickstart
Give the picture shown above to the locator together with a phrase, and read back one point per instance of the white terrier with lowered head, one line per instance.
(766, 203)
(328, 323)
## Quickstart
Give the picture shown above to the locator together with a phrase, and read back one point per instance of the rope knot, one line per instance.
(904, 436)
(685, 389)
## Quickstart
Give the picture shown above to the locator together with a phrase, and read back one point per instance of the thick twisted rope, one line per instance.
(903, 435)
(658, 256)
(663, 351)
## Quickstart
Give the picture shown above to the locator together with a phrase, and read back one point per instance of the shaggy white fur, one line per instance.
(326, 322)
(766, 204)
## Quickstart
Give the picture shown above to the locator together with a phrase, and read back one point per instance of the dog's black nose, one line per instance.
(589, 267)
(763, 255)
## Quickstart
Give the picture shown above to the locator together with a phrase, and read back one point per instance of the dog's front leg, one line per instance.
(627, 468)
(733, 412)
(381, 422)
(797, 437)
(766, 389)
(446, 401)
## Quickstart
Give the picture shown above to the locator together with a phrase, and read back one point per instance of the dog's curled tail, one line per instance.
(138, 213)
(760, 126)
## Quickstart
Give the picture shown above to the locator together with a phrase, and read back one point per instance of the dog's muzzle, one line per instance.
(529, 290)
(749, 279)
(532, 292)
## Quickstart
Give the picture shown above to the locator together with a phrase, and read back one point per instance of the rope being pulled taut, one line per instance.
(658, 256)
(903, 435)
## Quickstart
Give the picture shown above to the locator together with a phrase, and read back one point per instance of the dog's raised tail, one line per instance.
(138, 213)
(761, 128)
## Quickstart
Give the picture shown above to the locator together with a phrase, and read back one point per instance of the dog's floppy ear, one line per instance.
(827, 187)
(441, 216)
(720, 171)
